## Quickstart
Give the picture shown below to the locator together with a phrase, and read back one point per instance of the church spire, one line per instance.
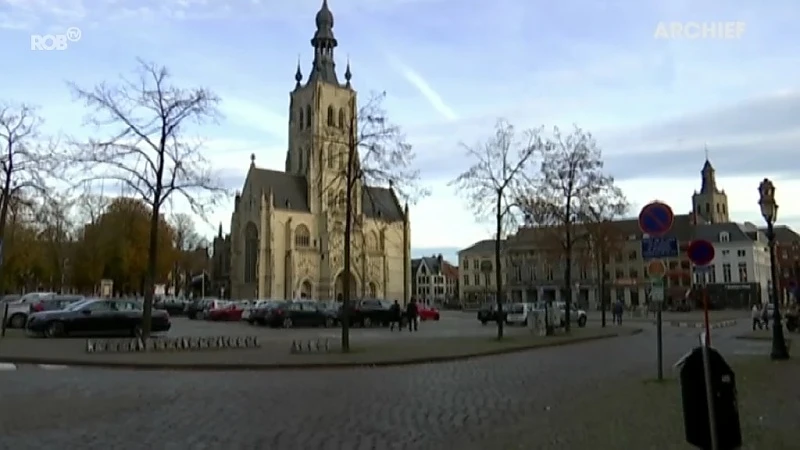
(709, 184)
(324, 68)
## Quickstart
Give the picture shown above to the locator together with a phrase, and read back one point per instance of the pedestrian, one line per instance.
(765, 316)
(411, 315)
(397, 317)
(755, 314)
(618, 310)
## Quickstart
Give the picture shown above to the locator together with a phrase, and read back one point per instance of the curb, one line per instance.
(297, 366)
(721, 324)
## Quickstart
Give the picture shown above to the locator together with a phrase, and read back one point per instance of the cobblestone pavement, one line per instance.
(442, 406)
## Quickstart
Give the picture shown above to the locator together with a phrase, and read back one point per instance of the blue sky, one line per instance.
(451, 68)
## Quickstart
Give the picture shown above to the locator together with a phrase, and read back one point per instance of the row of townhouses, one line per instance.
(533, 269)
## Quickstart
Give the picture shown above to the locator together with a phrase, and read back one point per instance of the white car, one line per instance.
(19, 310)
(576, 315)
(517, 313)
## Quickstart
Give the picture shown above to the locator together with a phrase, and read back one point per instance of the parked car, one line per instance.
(175, 306)
(366, 313)
(576, 315)
(55, 303)
(426, 312)
(488, 313)
(224, 311)
(517, 313)
(260, 310)
(197, 308)
(107, 317)
(19, 310)
(299, 314)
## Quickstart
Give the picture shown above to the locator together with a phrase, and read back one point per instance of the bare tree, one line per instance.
(186, 240)
(605, 237)
(570, 182)
(56, 233)
(25, 160)
(374, 153)
(91, 206)
(147, 151)
(493, 182)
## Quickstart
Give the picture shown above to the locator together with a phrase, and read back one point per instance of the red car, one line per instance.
(224, 311)
(427, 312)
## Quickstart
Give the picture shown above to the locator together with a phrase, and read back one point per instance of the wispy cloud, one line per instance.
(427, 91)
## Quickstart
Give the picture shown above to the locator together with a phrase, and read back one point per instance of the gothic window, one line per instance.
(308, 116)
(708, 208)
(340, 199)
(341, 160)
(300, 118)
(300, 161)
(250, 252)
(331, 200)
(330, 116)
(341, 117)
(372, 241)
(302, 237)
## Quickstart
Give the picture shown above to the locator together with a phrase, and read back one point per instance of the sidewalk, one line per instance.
(666, 316)
(277, 355)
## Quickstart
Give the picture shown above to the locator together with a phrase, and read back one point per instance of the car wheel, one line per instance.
(200, 315)
(329, 323)
(436, 317)
(582, 321)
(367, 322)
(18, 321)
(54, 330)
(287, 323)
(483, 322)
(525, 323)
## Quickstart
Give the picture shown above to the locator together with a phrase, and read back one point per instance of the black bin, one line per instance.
(695, 409)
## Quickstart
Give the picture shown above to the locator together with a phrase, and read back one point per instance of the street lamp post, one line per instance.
(769, 210)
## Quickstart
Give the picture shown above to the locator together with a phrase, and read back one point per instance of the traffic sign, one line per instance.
(657, 293)
(656, 269)
(656, 218)
(658, 247)
(701, 252)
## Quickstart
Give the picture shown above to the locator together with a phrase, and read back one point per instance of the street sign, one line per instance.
(657, 294)
(656, 218)
(701, 252)
(656, 269)
(660, 247)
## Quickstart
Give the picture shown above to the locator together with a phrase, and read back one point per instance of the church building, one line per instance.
(287, 227)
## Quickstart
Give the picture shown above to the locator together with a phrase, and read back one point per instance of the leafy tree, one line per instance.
(148, 152)
(569, 182)
(493, 183)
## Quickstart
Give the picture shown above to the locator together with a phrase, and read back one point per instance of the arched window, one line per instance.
(341, 117)
(302, 237)
(341, 200)
(300, 118)
(250, 253)
(330, 116)
(308, 116)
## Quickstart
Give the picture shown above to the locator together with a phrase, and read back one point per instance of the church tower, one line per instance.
(322, 123)
(710, 205)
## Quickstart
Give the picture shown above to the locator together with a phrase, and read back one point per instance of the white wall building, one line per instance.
(434, 279)
(741, 256)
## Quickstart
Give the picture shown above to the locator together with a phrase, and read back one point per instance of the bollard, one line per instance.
(5, 320)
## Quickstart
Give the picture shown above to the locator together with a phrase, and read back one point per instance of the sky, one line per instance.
(451, 68)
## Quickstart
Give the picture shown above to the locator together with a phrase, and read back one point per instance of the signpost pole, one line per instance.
(712, 420)
(660, 342)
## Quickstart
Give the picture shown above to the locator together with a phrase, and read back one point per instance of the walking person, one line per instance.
(618, 311)
(755, 314)
(765, 316)
(412, 313)
(397, 317)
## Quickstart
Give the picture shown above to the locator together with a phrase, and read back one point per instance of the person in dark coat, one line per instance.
(397, 317)
(411, 315)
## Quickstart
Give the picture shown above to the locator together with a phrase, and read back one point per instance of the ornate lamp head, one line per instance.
(769, 207)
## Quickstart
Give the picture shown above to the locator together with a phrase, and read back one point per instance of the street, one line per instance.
(441, 406)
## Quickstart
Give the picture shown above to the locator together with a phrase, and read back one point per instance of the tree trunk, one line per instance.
(497, 269)
(568, 272)
(152, 261)
(3, 218)
(348, 236)
(603, 293)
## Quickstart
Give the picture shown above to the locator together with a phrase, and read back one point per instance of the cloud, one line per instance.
(253, 115)
(430, 94)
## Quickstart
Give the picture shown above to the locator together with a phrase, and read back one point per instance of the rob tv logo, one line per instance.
(47, 42)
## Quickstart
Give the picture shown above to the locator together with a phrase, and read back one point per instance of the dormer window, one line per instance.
(724, 237)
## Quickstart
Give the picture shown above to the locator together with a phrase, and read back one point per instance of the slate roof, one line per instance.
(290, 192)
(737, 232)
(783, 234)
(486, 245)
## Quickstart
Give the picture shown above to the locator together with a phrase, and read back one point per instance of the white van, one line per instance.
(517, 313)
